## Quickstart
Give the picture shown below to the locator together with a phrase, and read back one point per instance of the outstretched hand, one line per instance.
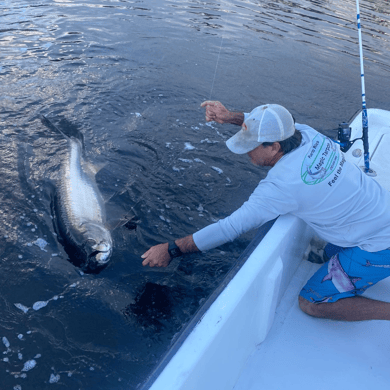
(157, 256)
(216, 111)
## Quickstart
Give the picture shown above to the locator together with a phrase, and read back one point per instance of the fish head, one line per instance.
(334, 263)
(97, 245)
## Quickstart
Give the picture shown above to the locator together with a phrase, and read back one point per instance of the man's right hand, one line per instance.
(216, 111)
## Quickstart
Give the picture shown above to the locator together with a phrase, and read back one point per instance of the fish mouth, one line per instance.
(98, 253)
(102, 247)
(96, 261)
(101, 257)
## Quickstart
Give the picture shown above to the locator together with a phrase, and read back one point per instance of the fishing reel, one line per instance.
(344, 140)
(344, 137)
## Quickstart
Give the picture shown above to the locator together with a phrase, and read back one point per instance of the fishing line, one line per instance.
(216, 65)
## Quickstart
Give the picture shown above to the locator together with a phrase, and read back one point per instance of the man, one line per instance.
(311, 179)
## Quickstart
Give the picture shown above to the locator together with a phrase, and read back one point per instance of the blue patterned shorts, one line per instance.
(348, 273)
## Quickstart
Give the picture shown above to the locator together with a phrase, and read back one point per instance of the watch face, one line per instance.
(175, 252)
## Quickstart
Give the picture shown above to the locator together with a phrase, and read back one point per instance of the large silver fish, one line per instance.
(79, 211)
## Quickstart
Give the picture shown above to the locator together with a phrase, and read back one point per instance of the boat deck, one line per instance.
(302, 352)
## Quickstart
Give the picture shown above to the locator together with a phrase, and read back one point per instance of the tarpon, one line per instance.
(79, 211)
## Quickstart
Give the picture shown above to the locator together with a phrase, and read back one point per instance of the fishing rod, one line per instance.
(344, 132)
(364, 107)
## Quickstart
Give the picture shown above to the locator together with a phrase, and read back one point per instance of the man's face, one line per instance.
(265, 156)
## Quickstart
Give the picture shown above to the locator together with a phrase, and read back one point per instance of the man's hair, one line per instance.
(288, 144)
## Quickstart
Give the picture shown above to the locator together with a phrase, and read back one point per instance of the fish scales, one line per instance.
(80, 213)
(78, 190)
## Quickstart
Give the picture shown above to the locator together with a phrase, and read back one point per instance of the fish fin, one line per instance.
(93, 168)
(129, 222)
(327, 277)
(66, 128)
(50, 125)
(108, 196)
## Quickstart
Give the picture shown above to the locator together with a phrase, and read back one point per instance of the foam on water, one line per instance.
(219, 170)
(38, 305)
(41, 243)
(41, 304)
(176, 169)
(29, 365)
(6, 342)
(188, 146)
(54, 378)
(198, 160)
(22, 307)
(206, 140)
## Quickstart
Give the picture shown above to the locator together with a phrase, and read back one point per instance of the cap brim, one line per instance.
(240, 143)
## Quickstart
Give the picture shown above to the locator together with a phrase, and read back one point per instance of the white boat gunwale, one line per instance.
(180, 338)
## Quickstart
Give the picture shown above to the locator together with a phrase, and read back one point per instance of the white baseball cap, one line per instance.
(267, 123)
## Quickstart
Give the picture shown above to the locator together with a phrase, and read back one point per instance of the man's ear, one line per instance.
(276, 147)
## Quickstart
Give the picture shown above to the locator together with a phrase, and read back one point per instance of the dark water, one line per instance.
(131, 76)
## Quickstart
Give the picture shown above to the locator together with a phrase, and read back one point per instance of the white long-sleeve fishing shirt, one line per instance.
(314, 182)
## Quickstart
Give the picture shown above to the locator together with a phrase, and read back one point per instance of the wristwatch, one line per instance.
(174, 250)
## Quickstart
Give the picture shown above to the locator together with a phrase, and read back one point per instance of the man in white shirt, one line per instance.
(311, 179)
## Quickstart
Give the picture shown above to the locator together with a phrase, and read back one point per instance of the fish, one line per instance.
(78, 210)
(338, 276)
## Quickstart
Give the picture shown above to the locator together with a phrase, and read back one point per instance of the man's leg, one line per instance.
(334, 291)
(348, 309)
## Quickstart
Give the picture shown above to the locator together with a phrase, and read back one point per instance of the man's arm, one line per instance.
(158, 256)
(216, 111)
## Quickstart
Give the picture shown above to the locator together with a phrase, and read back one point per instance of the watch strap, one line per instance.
(174, 250)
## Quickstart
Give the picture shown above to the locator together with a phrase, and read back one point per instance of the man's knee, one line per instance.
(310, 308)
